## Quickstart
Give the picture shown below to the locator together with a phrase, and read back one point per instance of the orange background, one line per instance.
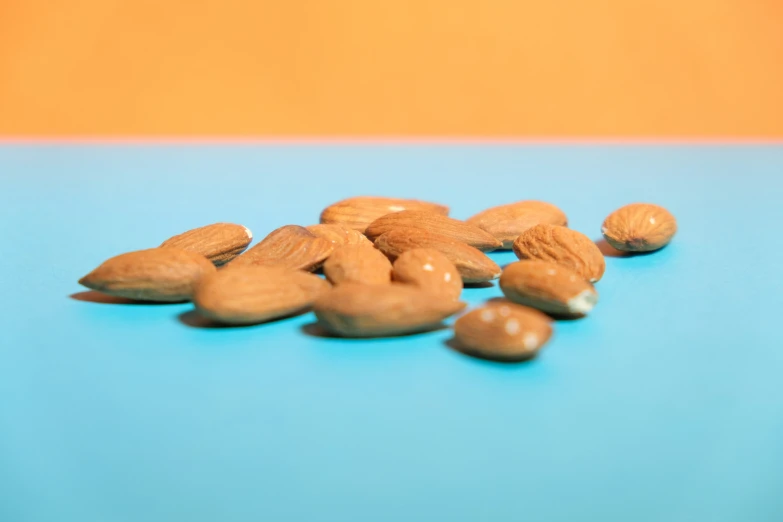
(699, 68)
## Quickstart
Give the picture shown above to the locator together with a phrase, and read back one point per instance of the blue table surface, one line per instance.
(665, 404)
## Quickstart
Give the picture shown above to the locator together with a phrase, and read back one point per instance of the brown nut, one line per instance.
(353, 310)
(219, 242)
(639, 227)
(473, 265)
(430, 270)
(358, 212)
(502, 332)
(290, 246)
(564, 246)
(507, 222)
(339, 235)
(255, 294)
(549, 287)
(435, 223)
(358, 264)
(156, 274)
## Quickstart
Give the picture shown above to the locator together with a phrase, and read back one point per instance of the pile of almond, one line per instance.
(392, 267)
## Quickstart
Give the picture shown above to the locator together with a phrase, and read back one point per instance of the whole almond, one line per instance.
(358, 212)
(256, 294)
(290, 246)
(358, 264)
(639, 227)
(549, 287)
(157, 274)
(563, 246)
(353, 310)
(502, 332)
(507, 222)
(430, 270)
(435, 223)
(473, 265)
(220, 242)
(340, 235)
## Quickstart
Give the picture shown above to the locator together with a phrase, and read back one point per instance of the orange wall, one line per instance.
(399, 67)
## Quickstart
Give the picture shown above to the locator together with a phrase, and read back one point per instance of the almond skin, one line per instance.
(429, 270)
(220, 242)
(563, 246)
(290, 246)
(358, 212)
(549, 287)
(639, 227)
(157, 274)
(353, 310)
(256, 294)
(340, 235)
(507, 222)
(358, 264)
(437, 224)
(502, 332)
(473, 265)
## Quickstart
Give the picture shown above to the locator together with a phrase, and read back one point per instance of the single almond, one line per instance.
(358, 264)
(549, 287)
(255, 294)
(502, 332)
(354, 310)
(358, 212)
(290, 246)
(639, 227)
(157, 274)
(563, 246)
(430, 270)
(473, 265)
(507, 222)
(340, 235)
(435, 223)
(220, 242)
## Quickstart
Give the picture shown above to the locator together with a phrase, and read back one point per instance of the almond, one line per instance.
(256, 294)
(340, 235)
(473, 265)
(507, 222)
(220, 242)
(502, 332)
(353, 310)
(290, 246)
(563, 246)
(157, 274)
(549, 287)
(639, 227)
(430, 270)
(435, 223)
(358, 264)
(359, 212)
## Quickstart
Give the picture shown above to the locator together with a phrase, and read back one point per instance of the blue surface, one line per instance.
(666, 404)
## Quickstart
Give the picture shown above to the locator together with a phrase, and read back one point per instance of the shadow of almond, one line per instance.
(457, 347)
(92, 296)
(194, 319)
(485, 284)
(316, 330)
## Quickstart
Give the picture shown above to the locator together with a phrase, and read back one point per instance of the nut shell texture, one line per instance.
(639, 227)
(563, 246)
(473, 265)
